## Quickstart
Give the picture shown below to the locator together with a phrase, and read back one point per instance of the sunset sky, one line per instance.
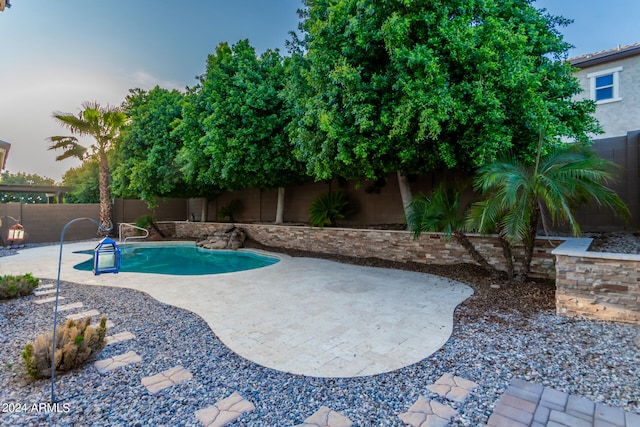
(55, 55)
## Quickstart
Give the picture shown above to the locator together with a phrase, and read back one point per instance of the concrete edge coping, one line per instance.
(578, 247)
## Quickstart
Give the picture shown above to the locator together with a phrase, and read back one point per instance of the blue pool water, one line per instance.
(177, 259)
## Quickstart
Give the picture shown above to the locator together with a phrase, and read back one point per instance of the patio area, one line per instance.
(489, 349)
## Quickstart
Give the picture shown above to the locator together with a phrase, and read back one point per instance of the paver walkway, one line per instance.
(225, 411)
(526, 404)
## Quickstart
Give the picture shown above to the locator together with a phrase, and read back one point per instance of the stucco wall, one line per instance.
(619, 117)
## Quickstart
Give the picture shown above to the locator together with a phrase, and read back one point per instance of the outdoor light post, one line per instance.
(106, 259)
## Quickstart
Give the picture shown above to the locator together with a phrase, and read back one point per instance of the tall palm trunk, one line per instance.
(508, 255)
(529, 244)
(105, 193)
(464, 241)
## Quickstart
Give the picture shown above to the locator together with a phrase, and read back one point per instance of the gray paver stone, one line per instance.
(518, 403)
(524, 394)
(568, 419)
(541, 415)
(609, 414)
(632, 420)
(602, 423)
(556, 397)
(516, 414)
(497, 420)
(579, 405)
(526, 385)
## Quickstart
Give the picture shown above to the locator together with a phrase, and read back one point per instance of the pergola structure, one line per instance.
(51, 191)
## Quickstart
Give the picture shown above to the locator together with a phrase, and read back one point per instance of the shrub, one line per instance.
(17, 286)
(327, 208)
(75, 343)
(144, 221)
(228, 210)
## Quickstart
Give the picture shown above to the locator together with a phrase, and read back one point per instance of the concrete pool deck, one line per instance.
(304, 316)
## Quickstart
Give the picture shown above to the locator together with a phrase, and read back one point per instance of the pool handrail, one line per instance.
(131, 237)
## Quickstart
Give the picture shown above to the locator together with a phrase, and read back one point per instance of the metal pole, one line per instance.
(55, 313)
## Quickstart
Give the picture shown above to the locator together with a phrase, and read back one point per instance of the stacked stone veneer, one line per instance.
(385, 244)
(597, 285)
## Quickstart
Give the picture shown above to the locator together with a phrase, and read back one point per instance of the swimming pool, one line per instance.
(182, 259)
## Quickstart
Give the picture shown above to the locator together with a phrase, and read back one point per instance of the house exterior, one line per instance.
(612, 79)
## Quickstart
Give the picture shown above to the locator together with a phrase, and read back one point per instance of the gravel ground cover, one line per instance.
(504, 330)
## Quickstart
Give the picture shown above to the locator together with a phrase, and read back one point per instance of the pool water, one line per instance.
(184, 260)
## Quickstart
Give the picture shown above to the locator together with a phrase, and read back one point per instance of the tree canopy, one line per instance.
(417, 86)
(233, 123)
(145, 155)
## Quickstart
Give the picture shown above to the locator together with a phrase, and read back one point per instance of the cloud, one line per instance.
(146, 81)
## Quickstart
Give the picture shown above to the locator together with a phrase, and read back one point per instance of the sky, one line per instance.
(55, 55)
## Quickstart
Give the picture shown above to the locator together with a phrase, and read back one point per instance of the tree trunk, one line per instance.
(204, 211)
(464, 241)
(529, 244)
(405, 193)
(508, 256)
(105, 194)
(280, 206)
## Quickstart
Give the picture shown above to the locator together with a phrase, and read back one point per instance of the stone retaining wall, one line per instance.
(385, 244)
(597, 285)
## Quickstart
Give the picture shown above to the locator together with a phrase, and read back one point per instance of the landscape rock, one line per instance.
(230, 237)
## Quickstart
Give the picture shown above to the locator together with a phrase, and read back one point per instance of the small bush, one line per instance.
(229, 210)
(75, 343)
(327, 208)
(17, 286)
(144, 221)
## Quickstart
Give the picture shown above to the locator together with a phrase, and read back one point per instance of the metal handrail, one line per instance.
(122, 224)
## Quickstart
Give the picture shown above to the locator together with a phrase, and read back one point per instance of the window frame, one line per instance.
(615, 72)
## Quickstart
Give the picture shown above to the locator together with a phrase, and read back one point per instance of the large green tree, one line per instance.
(414, 86)
(234, 124)
(103, 125)
(145, 163)
(85, 180)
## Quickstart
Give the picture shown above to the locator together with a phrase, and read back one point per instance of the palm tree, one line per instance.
(103, 124)
(442, 212)
(569, 176)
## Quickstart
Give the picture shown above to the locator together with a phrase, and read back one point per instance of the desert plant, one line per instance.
(17, 286)
(228, 210)
(560, 180)
(327, 208)
(75, 343)
(147, 222)
(441, 211)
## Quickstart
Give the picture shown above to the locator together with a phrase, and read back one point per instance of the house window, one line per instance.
(605, 85)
